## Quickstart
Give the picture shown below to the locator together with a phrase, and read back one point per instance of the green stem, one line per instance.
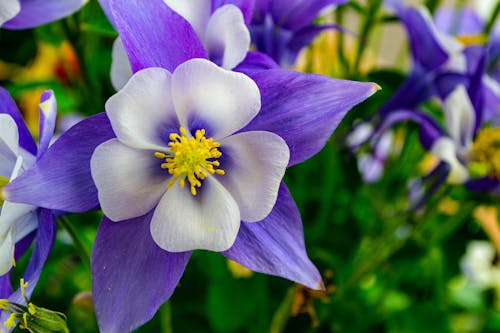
(77, 241)
(339, 19)
(432, 5)
(493, 19)
(166, 318)
(366, 28)
(282, 315)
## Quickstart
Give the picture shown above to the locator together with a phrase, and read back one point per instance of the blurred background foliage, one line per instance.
(386, 268)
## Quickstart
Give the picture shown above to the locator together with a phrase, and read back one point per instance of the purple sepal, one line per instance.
(297, 14)
(64, 170)
(154, 35)
(458, 21)
(47, 123)
(246, 7)
(484, 184)
(475, 90)
(275, 245)
(37, 12)
(44, 240)
(425, 47)
(304, 109)
(255, 62)
(430, 131)
(8, 106)
(416, 89)
(131, 276)
(5, 286)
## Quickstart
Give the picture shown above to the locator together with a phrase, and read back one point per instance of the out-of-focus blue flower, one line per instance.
(440, 63)
(21, 223)
(282, 28)
(289, 111)
(24, 14)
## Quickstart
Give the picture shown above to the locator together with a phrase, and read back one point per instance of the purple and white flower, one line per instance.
(247, 128)
(24, 14)
(178, 154)
(22, 223)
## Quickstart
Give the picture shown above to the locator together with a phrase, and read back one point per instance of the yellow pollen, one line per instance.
(486, 151)
(3, 182)
(468, 40)
(190, 157)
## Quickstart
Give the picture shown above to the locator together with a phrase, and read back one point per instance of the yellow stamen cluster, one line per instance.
(468, 40)
(191, 157)
(486, 151)
(31, 317)
(3, 181)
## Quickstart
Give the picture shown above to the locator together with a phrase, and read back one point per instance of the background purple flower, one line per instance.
(24, 14)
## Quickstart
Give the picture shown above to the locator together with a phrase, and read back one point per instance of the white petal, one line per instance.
(6, 253)
(142, 112)
(9, 143)
(460, 117)
(8, 10)
(12, 214)
(227, 47)
(183, 222)
(256, 164)
(24, 225)
(216, 99)
(445, 149)
(121, 71)
(196, 12)
(129, 181)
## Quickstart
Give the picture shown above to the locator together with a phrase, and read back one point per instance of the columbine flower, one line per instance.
(19, 222)
(23, 14)
(129, 267)
(282, 28)
(470, 150)
(179, 156)
(210, 21)
(440, 61)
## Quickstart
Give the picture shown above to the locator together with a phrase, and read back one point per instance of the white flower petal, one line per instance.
(8, 10)
(446, 149)
(6, 253)
(142, 112)
(121, 71)
(129, 181)
(9, 144)
(11, 214)
(227, 47)
(25, 225)
(196, 12)
(256, 164)
(460, 118)
(183, 222)
(213, 98)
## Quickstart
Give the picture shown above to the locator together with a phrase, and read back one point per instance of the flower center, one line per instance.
(3, 182)
(191, 157)
(486, 152)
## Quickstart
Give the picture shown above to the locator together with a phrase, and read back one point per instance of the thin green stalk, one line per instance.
(339, 19)
(166, 318)
(77, 240)
(365, 31)
(282, 315)
(432, 5)
(493, 19)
